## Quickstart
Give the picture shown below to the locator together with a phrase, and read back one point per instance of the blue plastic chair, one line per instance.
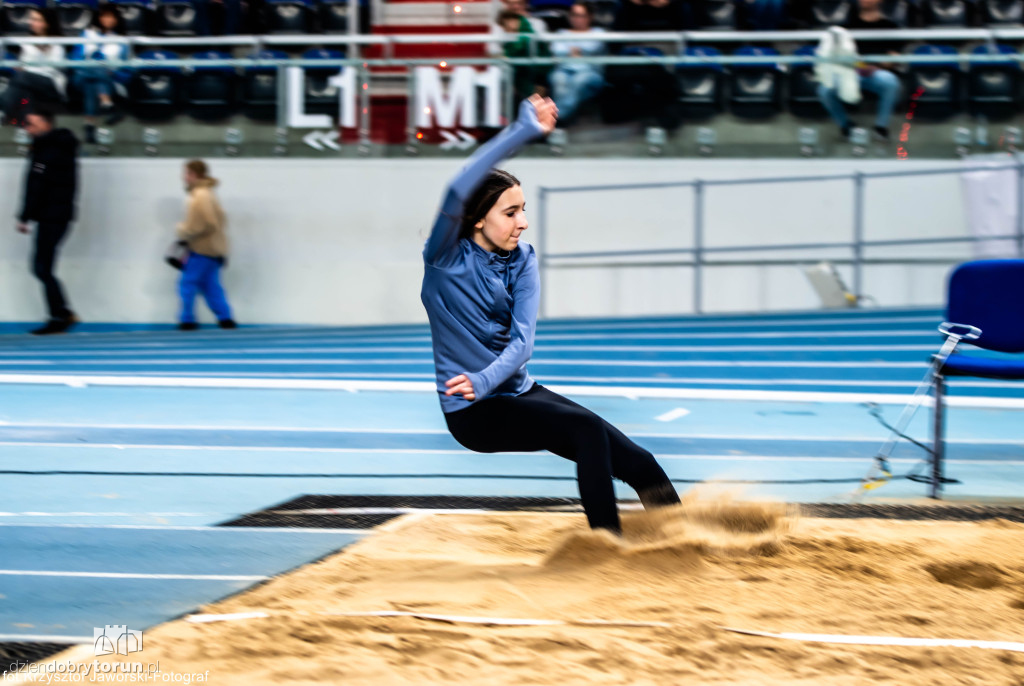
(210, 91)
(986, 294)
(993, 87)
(803, 86)
(701, 85)
(756, 87)
(155, 91)
(939, 83)
(259, 87)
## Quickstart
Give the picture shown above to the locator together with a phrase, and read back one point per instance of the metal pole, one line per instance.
(1020, 206)
(542, 245)
(698, 246)
(364, 105)
(937, 438)
(282, 97)
(858, 234)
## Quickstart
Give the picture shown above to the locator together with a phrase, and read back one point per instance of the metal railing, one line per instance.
(698, 253)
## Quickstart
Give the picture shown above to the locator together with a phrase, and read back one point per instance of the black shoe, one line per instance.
(54, 326)
(881, 133)
(227, 324)
(846, 130)
(188, 326)
(90, 134)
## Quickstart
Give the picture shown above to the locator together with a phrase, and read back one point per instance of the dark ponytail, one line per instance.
(480, 203)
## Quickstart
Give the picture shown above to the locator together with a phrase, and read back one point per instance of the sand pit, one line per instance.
(697, 568)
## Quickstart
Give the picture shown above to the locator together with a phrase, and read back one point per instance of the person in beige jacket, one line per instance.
(203, 231)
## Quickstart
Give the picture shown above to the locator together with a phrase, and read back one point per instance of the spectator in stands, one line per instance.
(652, 15)
(527, 79)
(572, 83)
(204, 230)
(518, 7)
(50, 187)
(35, 85)
(874, 77)
(96, 83)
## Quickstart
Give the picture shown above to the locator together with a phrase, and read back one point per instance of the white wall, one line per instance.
(338, 242)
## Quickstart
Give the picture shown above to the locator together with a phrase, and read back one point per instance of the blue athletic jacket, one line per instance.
(482, 306)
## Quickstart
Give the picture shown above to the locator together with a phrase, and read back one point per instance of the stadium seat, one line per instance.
(939, 83)
(6, 74)
(135, 16)
(15, 15)
(176, 18)
(289, 16)
(334, 15)
(897, 11)
(984, 294)
(604, 12)
(701, 85)
(1002, 12)
(716, 15)
(74, 16)
(803, 87)
(210, 91)
(555, 18)
(259, 88)
(831, 12)
(944, 13)
(155, 91)
(993, 88)
(320, 96)
(756, 88)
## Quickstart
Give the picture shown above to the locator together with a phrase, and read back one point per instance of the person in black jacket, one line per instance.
(50, 186)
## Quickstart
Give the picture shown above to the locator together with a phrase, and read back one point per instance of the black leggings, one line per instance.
(542, 420)
(48, 237)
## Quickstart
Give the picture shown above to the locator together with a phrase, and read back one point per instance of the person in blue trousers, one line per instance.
(204, 233)
(481, 291)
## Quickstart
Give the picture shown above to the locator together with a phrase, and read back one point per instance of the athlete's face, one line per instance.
(502, 225)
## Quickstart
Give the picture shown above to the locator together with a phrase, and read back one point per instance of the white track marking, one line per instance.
(672, 415)
(125, 575)
(887, 640)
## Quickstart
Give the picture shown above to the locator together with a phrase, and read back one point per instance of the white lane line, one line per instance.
(157, 527)
(444, 432)
(535, 362)
(632, 392)
(426, 349)
(672, 415)
(125, 575)
(44, 638)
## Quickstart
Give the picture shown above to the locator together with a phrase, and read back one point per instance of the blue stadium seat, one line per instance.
(6, 74)
(717, 15)
(803, 87)
(289, 16)
(1002, 12)
(210, 91)
(993, 88)
(176, 18)
(155, 91)
(135, 16)
(259, 87)
(939, 83)
(74, 16)
(320, 96)
(756, 88)
(15, 15)
(944, 13)
(984, 294)
(604, 12)
(701, 85)
(897, 11)
(831, 12)
(555, 18)
(335, 14)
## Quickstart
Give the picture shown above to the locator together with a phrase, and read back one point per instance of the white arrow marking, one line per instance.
(673, 414)
(312, 139)
(329, 138)
(468, 141)
(450, 141)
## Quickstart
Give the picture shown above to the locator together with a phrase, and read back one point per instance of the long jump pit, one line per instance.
(715, 591)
